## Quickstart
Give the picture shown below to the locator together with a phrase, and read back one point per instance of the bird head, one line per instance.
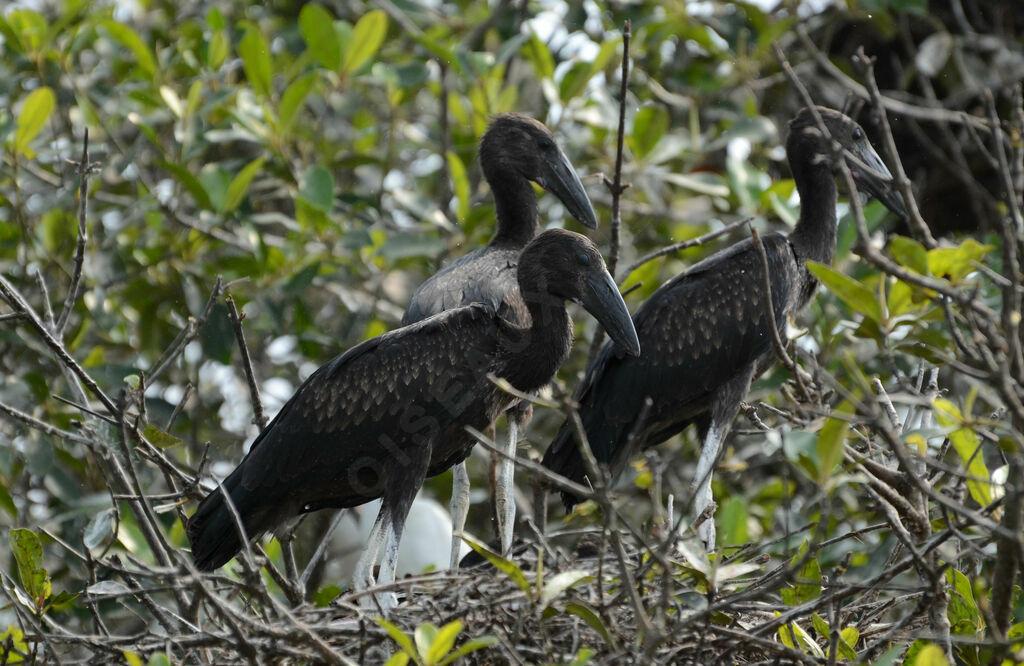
(516, 144)
(565, 266)
(867, 168)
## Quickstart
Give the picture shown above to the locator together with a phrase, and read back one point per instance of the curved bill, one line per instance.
(872, 176)
(602, 299)
(560, 179)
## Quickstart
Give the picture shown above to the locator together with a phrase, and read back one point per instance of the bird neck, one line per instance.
(533, 352)
(515, 205)
(815, 234)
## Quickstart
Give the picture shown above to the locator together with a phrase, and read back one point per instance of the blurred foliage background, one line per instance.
(321, 160)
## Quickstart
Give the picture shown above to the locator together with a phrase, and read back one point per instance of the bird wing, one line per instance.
(487, 275)
(696, 331)
(384, 397)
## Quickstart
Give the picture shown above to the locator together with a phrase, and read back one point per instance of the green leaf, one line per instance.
(539, 55)
(460, 185)
(25, 30)
(909, 253)
(397, 635)
(240, 185)
(293, 98)
(397, 659)
(317, 27)
(189, 182)
(856, 295)
(29, 555)
(318, 188)
(256, 61)
(967, 445)
(507, 567)
(35, 111)
(588, 615)
(732, 522)
(159, 438)
(132, 658)
(19, 646)
(930, 655)
(122, 33)
(471, 645)
(7, 502)
(954, 263)
(424, 636)
(560, 582)
(831, 443)
(325, 595)
(443, 641)
(367, 36)
(649, 125)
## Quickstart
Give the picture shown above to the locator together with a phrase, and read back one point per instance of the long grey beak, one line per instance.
(872, 176)
(560, 179)
(602, 299)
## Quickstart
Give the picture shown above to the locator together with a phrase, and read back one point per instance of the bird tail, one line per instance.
(563, 456)
(213, 531)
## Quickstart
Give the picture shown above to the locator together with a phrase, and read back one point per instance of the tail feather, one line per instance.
(213, 531)
(563, 456)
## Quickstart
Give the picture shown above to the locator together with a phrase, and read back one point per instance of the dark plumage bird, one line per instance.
(381, 417)
(514, 150)
(704, 333)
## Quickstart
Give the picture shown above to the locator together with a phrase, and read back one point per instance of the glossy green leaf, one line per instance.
(858, 296)
(472, 645)
(293, 98)
(560, 582)
(240, 185)
(831, 444)
(28, 553)
(35, 111)
(424, 637)
(460, 185)
(539, 55)
(317, 27)
(367, 36)
(7, 502)
(397, 635)
(443, 641)
(507, 567)
(909, 253)
(731, 520)
(954, 263)
(24, 30)
(318, 188)
(255, 55)
(967, 445)
(397, 659)
(930, 655)
(159, 438)
(649, 124)
(184, 177)
(130, 39)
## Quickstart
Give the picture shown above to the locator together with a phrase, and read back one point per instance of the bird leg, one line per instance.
(362, 576)
(459, 508)
(504, 490)
(701, 486)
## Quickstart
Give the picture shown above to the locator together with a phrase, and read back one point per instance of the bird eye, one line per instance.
(857, 134)
(583, 258)
(545, 143)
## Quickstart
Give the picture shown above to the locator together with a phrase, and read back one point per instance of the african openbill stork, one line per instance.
(514, 150)
(704, 333)
(379, 418)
